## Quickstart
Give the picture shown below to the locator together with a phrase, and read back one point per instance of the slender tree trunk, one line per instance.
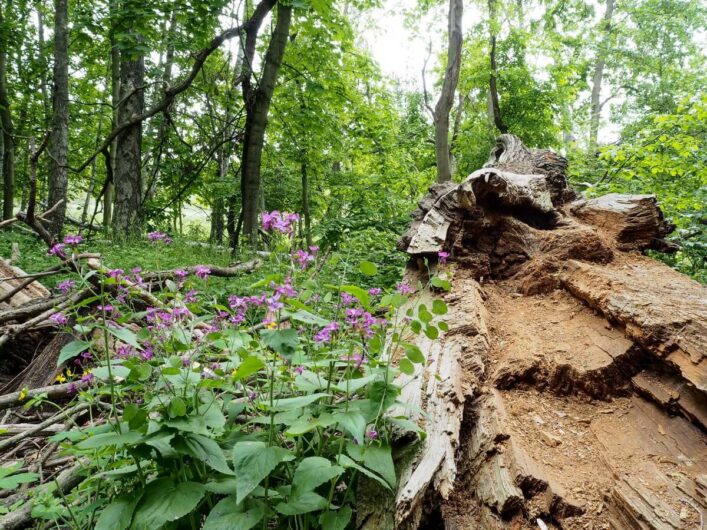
(42, 61)
(92, 183)
(305, 204)
(127, 215)
(494, 106)
(449, 86)
(257, 103)
(59, 139)
(598, 77)
(108, 195)
(8, 140)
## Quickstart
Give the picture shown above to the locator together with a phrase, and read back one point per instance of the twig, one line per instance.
(41, 426)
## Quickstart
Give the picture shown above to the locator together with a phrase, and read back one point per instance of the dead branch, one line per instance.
(53, 393)
(43, 425)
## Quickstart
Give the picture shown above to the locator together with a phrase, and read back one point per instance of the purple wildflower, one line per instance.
(156, 236)
(191, 296)
(57, 250)
(299, 370)
(324, 334)
(180, 275)
(347, 299)
(66, 286)
(87, 378)
(202, 271)
(404, 288)
(375, 291)
(123, 351)
(443, 257)
(73, 240)
(72, 390)
(59, 319)
(304, 258)
(147, 353)
(115, 273)
(372, 435)
(282, 222)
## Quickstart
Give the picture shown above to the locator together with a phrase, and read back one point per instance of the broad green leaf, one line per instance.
(439, 307)
(352, 422)
(348, 463)
(296, 402)
(336, 520)
(166, 500)
(414, 353)
(302, 502)
(314, 471)
(229, 514)
(118, 514)
(253, 462)
(177, 407)
(368, 268)
(125, 335)
(431, 332)
(306, 317)
(248, 367)
(203, 449)
(111, 439)
(378, 458)
(283, 341)
(406, 366)
(441, 284)
(71, 350)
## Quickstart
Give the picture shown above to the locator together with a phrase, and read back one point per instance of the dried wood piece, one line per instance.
(17, 277)
(53, 392)
(663, 311)
(635, 222)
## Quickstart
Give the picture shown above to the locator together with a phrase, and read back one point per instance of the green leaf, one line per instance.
(414, 354)
(8, 481)
(296, 402)
(228, 514)
(368, 268)
(253, 462)
(125, 335)
(302, 502)
(431, 332)
(379, 458)
(283, 341)
(314, 471)
(111, 439)
(353, 422)
(441, 284)
(306, 317)
(336, 520)
(203, 449)
(166, 500)
(415, 326)
(118, 514)
(348, 463)
(249, 366)
(177, 407)
(406, 366)
(439, 307)
(71, 350)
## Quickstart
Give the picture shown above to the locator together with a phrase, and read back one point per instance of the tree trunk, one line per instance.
(8, 140)
(108, 195)
(598, 77)
(449, 86)
(257, 103)
(494, 106)
(92, 183)
(59, 139)
(305, 205)
(127, 221)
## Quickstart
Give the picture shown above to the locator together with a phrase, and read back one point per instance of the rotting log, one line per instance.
(590, 376)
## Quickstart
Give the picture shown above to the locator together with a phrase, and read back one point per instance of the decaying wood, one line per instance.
(584, 406)
(53, 392)
(634, 221)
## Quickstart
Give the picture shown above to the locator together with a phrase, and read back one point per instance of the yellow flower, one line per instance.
(69, 373)
(23, 393)
(60, 378)
(271, 325)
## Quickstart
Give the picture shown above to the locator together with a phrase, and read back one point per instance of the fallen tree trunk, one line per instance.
(578, 365)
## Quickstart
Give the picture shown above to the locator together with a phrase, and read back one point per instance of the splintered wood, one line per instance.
(571, 388)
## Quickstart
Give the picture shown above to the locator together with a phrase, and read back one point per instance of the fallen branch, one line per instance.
(53, 393)
(42, 426)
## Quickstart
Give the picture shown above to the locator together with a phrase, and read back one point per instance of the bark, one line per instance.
(108, 194)
(494, 106)
(92, 183)
(59, 140)
(306, 213)
(598, 77)
(127, 220)
(8, 140)
(257, 103)
(449, 86)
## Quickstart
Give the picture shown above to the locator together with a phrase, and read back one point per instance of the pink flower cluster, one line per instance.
(363, 322)
(324, 334)
(282, 222)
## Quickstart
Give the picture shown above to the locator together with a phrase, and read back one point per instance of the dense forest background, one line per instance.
(194, 117)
